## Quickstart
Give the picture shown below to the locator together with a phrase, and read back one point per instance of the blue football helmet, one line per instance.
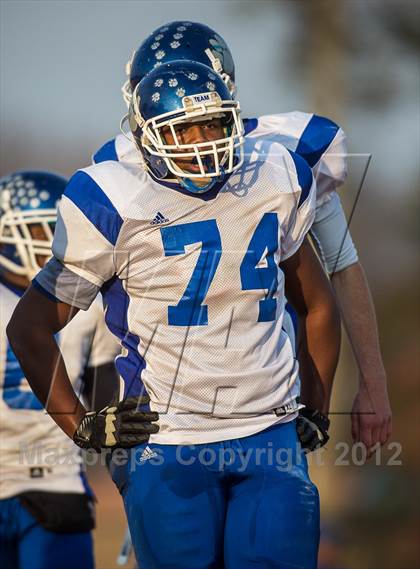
(28, 213)
(181, 93)
(189, 41)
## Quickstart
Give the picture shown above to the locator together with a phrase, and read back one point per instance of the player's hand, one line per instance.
(122, 426)
(312, 429)
(371, 416)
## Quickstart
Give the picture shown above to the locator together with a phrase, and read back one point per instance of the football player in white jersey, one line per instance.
(192, 247)
(46, 506)
(322, 144)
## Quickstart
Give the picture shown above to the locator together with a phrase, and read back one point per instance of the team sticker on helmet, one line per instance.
(201, 98)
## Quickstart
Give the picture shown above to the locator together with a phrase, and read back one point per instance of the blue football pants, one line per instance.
(25, 544)
(246, 503)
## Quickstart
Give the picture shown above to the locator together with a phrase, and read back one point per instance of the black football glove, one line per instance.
(312, 429)
(122, 426)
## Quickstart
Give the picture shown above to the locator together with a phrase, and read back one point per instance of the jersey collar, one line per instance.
(205, 196)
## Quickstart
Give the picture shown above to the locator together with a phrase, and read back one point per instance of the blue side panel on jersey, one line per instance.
(316, 138)
(293, 316)
(106, 152)
(116, 302)
(304, 174)
(14, 397)
(95, 205)
(250, 125)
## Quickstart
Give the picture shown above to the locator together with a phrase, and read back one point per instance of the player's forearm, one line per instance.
(318, 351)
(357, 309)
(41, 362)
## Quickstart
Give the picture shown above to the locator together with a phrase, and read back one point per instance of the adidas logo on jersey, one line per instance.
(147, 454)
(158, 219)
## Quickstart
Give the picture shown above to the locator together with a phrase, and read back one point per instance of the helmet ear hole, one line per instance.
(158, 166)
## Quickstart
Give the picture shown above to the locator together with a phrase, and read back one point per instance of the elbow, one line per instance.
(20, 332)
(333, 322)
(15, 332)
(327, 313)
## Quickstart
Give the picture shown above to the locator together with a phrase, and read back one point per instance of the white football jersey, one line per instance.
(319, 140)
(192, 286)
(35, 453)
(323, 145)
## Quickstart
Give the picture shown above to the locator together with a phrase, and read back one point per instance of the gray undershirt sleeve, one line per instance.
(332, 237)
(66, 286)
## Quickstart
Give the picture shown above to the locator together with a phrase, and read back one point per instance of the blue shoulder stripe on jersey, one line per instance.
(95, 205)
(106, 152)
(130, 366)
(250, 125)
(316, 138)
(304, 174)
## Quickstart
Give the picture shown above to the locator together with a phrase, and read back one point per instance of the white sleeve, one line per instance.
(332, 237)
(87, 229)
(318, 140)
(331, 170)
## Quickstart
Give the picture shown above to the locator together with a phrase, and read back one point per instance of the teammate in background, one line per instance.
(323, 145)
(46, 506)
(192, 250)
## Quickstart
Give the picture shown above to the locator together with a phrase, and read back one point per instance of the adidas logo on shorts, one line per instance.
(148, 453)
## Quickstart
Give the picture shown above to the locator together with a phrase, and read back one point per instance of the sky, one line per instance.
(62, 66)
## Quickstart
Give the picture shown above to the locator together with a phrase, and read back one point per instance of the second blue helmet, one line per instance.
(180, 40)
